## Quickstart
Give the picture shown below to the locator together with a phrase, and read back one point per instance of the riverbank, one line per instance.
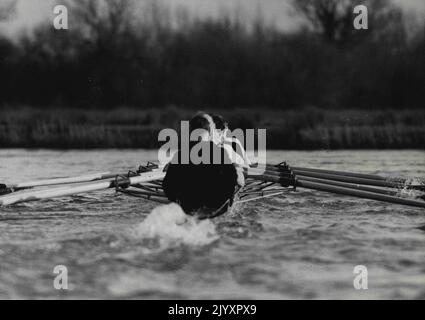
(303, 129)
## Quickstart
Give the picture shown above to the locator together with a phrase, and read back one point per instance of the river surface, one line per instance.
(303, 245)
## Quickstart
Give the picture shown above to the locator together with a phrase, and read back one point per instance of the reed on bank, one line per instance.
(309, 128)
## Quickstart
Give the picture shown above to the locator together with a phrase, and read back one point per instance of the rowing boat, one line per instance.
(261, 182)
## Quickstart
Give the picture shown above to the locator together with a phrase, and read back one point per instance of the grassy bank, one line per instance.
(311, 128)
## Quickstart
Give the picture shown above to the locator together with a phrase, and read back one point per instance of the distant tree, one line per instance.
(334, 18)
(109, 51)
(7, 8)
(102, 21)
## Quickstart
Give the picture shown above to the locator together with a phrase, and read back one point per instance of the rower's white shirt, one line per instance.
(233, 155)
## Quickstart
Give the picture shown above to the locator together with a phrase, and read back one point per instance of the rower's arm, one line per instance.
(243, 152)
(240, 150)
(240, 176)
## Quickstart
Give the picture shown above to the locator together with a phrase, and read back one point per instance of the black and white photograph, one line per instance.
(212, 150)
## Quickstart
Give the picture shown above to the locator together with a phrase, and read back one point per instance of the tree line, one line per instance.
(114, 55)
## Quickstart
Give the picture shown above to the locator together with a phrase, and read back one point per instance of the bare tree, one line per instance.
(7, 8)
(334, 18)
(102, 21)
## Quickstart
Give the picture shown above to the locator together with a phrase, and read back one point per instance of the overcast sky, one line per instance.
(32, 12)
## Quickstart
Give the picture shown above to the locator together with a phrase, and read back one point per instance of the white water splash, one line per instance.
(407, 192)
(170, 225)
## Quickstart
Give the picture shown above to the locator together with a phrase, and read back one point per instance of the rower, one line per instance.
(209, 185)
(232, 145)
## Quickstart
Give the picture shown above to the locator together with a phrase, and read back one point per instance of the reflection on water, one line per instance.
(301, 245)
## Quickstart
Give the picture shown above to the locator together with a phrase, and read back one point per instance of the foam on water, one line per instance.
(170, 225)
(143, 282)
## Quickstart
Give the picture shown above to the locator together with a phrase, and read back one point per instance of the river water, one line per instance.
(303, 245)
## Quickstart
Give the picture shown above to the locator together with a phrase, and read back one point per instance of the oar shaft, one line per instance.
(348, 185)
(67, 180)
(343, 173)
(340, 173)
(71, 190)
(349, 177)
(330, 186)
(341, 181)
(283, 181)
(358, 193)
(256, 171)
(334, 177)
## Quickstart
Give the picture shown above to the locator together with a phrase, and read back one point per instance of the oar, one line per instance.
(89, 187)
(275, 178)
(345, 190)
(334, 177)
(349, 177)
(363, 181)
(335, 172)
(254, 171)
(285, 174)
(348, 185)
(344, 173)
(56, 181)
(5, 189)
(358, 193)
